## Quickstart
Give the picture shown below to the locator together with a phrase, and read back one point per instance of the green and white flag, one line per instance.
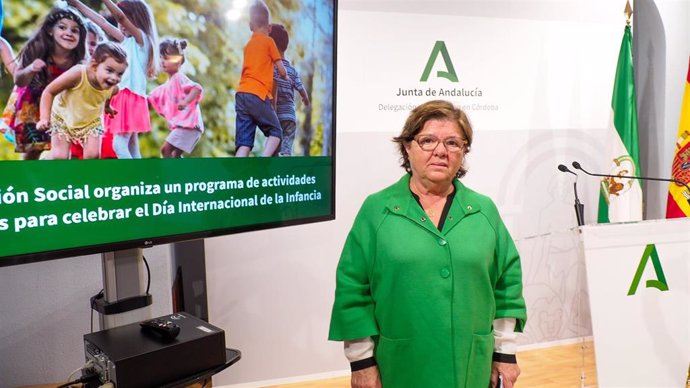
(621, 198)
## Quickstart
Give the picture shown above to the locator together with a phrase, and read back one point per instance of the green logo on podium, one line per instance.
(660, 281)
(440, 48)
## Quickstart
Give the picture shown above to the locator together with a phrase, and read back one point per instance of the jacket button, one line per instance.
(442, 242)
(445, 273)
(469, 207)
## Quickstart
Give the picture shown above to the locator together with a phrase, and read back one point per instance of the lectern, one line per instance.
(639, 291)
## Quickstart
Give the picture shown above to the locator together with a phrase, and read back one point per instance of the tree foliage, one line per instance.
(214, 59)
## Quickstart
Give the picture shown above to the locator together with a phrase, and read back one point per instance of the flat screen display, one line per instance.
(55, 204)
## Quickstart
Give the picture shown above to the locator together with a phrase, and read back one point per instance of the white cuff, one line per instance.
(505, 336)
(359, 349)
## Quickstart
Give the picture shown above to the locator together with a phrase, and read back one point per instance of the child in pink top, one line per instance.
(177, 101)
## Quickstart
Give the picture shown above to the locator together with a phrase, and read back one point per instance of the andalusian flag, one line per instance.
(621, 198)
(678, 196)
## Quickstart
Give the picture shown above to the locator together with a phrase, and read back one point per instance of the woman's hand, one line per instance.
(509, 371)
(366, 378)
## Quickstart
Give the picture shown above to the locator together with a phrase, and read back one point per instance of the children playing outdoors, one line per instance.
(94, 35)
(253, 104)
(177, 101)
(284, 92)
(82, 95)
(55, 47)
(138, 35)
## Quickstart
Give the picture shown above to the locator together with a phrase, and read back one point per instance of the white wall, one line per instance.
(272, 290)
(45, 312)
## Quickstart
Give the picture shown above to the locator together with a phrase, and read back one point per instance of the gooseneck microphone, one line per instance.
(577, 166)
(579, 207)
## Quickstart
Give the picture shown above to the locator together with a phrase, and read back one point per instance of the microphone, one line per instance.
(579, 207)
(563, 168)
(577, 166)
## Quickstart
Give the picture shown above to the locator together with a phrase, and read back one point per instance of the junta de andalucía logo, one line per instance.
(449, 73)
(660, 281)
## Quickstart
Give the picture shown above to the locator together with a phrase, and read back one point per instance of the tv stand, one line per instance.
(231, 357)
(125, 297)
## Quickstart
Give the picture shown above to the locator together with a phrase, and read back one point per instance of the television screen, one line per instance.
(160, 159)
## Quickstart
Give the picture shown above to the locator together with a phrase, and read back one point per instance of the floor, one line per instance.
(554, 367)
(565, 366)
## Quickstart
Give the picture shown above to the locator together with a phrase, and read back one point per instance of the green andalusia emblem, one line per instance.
(440, 48)
(660, 281)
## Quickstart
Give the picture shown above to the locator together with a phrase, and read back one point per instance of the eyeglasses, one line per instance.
(430, 142)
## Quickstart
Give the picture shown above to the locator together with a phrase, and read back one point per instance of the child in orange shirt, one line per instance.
(253, 104)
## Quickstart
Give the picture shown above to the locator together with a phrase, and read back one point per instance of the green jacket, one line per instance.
(427, 297)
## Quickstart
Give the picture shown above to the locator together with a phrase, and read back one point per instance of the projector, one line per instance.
(131, 356)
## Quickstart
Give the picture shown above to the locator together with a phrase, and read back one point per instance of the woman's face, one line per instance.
(437, 165)
(66, 34)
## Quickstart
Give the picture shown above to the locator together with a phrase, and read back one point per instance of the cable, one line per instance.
(82, 379)
(86, 365)
(148, 271)
(93, 305)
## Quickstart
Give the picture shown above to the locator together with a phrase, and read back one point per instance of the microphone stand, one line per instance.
(579, 207)
(641, 178)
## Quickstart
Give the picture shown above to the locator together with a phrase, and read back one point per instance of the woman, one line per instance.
(429, 284)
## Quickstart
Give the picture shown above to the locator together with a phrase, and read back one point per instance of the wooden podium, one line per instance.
(638, 276)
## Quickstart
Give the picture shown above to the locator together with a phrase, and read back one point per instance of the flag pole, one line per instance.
(628, 12)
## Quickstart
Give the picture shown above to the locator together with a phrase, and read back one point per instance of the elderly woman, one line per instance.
(429, 284)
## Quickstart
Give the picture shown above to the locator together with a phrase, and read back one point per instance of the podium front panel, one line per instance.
(639, 288)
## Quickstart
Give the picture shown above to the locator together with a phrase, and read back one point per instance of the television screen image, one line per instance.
(135, 123)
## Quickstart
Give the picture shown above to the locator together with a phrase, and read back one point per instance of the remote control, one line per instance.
(160, 327)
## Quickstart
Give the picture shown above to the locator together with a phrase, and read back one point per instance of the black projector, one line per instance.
(131, 357)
